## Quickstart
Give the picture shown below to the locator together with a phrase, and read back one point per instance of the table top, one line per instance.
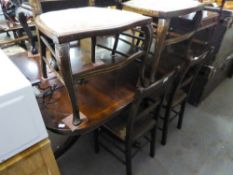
(99, 100)
(163, 8)
(99, 97)
(72, 24)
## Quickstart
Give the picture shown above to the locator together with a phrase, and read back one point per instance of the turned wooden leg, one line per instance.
(93, 44)
(153, 141)
(23, 21)
(165, 125)
(43, 56)
(63, 56)
(115, 44)
(162, 29)
(181, 115)
(96, 140)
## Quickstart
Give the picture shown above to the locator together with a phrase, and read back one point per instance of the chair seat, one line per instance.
(71, 24)
(117, 127)
(160, 8)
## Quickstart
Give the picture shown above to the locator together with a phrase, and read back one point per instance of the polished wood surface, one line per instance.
(163, 8)
(72, 24)
(36, 160)
(99, 98)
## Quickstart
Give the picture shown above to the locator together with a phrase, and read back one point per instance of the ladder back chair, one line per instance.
(179, 93)
(136, 120)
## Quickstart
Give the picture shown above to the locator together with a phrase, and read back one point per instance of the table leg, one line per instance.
(163, 26)
(43, 56)
(93, 44)
(148, 32)
(63, 55)
(115, 44)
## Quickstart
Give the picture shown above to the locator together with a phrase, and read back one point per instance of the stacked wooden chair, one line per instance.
(176, 100)
(135, 121)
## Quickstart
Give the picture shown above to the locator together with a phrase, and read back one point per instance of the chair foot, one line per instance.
(128, 166)
(128, 159)
(96, 140)
(34, 51)
(152, 144)
(181, 115)
(164, 142)
(165, 127)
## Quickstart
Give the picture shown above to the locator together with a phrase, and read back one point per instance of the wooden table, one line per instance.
(100, 91)
(163, 11)
(100, 98)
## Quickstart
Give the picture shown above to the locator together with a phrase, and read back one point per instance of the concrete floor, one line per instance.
(204, 146)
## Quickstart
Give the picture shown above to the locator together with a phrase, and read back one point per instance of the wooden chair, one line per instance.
(135, 120)
(180, 91)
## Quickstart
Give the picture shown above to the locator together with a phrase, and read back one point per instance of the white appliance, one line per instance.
(21, 123)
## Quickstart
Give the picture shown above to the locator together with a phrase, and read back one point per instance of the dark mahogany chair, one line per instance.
(134, 121)
(176, 100)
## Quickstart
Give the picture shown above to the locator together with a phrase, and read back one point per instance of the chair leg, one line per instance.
(23, 21)
(115, 44)
(138, 41)
(7, 34)
(93, 44)
(165, 126)
(181, 115)
(128, 159)
(153, 140)
(43, 63)
(96, 140)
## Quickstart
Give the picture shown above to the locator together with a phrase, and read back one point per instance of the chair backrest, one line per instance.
(187, 74)
(147, 100)
(105, 3)
(42, 6)
(51, 5)
(197, 19)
